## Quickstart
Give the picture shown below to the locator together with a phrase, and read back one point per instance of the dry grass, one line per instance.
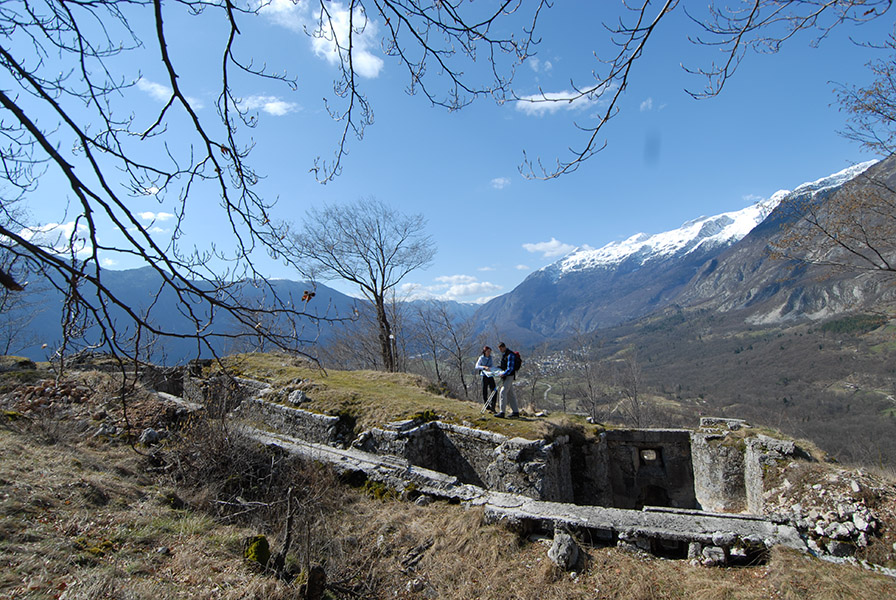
(84, 517)
(465, 559)
(86, 520)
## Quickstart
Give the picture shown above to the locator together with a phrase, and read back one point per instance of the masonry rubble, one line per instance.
(707, 494)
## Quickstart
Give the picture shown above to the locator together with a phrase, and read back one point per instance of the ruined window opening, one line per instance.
(651, 457)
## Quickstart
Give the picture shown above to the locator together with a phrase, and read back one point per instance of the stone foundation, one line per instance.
(719, 467)
(713, 494)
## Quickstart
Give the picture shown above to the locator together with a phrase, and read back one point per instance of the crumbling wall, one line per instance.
(650, 467)
(468, 451)
(590, 463)
(295, 422)
(537, 469)
(534, 468)
(763, 455)
(462, 452)
(710, 468)
(719, 484)
(220, 394)
(719, 458)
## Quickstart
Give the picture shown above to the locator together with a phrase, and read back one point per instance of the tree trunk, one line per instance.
(386, 346)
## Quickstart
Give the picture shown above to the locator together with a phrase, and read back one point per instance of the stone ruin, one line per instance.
(700, 494)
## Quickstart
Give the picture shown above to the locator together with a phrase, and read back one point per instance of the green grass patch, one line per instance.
(855, 324)
(372, 398)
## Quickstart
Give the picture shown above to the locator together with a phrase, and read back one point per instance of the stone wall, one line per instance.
(719, 465)
(295, 422)
(221, 394)
(537, 469)
(762, 455)
(534, 468)
(710, 469)
(591, 465)
(650, 467)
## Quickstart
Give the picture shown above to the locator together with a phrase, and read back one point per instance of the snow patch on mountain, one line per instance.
(703, 233)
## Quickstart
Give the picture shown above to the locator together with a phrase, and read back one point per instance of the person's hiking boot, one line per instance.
(500, 415)
(515, 415)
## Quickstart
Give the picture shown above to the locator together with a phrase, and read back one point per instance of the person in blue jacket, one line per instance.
(508, 375)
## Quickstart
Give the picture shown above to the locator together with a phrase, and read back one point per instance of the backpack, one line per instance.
(518, 361)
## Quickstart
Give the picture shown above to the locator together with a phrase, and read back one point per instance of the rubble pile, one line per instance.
(839, 512)
(47, 392)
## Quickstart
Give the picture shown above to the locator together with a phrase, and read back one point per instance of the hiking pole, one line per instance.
(488, 400)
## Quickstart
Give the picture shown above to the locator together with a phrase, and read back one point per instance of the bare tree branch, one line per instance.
(369, 245)
(733, 29)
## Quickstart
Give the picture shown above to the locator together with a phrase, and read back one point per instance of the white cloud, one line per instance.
(270, 104)
(451, 287)
(330, 30)
(551, 102)
(536, 65)
(460, 291)
(455, 279)
(151, 216)
(499, 183)
(59, 238)
(156, 90)
(108, 262)
(550, 249)
(485, 269)
(162, 92)
(522, 267)
(158, 230)
(647, 105)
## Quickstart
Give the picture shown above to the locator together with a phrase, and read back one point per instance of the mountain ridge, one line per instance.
(716, 230)
(589, 289)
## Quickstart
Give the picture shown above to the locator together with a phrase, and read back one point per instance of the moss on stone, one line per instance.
(258, 550)
(378, 491)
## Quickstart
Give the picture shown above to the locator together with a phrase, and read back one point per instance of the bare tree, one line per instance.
(17, 305)
(428, 339)
(70, 75)
(68, 115)
(18, 309)
(531, 378)
(629, 384)
(457, 341)
(853, 230)
(873, 107)
(595, 388)
(593, 382)
(369, 245)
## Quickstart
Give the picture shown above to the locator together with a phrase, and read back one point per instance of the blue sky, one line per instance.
(669, 158)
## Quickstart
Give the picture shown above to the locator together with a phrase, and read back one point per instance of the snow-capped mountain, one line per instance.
(701, 234)
(593, 288)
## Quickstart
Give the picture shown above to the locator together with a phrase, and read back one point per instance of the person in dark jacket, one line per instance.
(483, 366)
(508, 375)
